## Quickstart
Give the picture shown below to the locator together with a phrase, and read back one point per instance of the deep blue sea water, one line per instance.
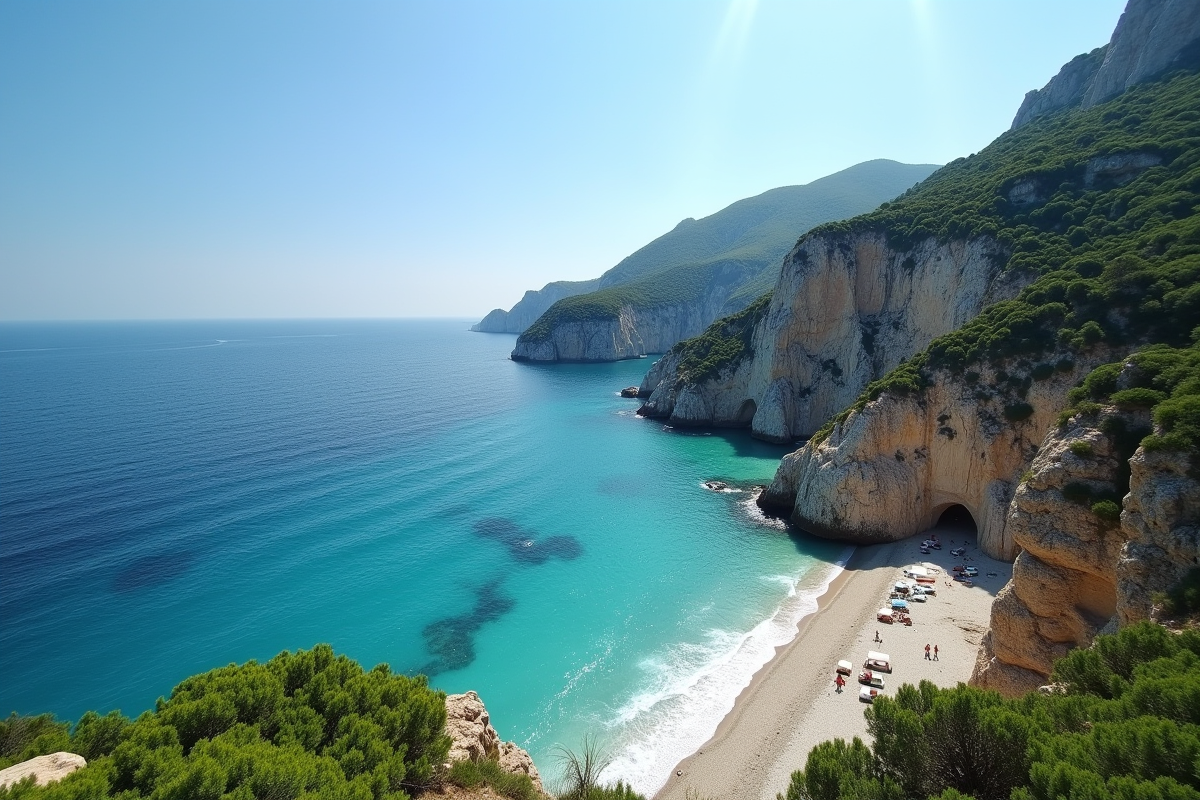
(175, 496)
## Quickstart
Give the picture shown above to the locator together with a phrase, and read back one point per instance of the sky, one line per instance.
(261, 159)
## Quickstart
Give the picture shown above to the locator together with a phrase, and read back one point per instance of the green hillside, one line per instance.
(1116, 257)
(742, 244)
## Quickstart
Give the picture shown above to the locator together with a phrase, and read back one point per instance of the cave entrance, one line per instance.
(955, 517)
(746, 413)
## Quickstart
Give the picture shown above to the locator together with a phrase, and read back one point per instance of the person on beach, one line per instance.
(935, 658)
(927, 652)
(877, 637)
(840, 681)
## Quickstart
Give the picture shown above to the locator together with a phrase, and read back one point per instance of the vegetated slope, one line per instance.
(1123, 723)
(715, 265)
(1065, 194)
(532, 306)
(309, 724)
(1101, 208)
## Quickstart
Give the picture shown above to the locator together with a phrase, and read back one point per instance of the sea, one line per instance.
(177, 496)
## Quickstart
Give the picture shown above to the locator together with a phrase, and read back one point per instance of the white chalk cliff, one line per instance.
(847, 309)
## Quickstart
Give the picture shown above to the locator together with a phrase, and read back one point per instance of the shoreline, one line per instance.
(790, 704)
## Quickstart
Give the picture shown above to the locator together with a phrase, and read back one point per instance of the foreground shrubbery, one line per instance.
(1127, 726)
(307, 725)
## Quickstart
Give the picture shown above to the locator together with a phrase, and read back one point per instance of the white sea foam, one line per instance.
(689, 688)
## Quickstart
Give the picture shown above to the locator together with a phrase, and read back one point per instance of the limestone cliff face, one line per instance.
(846, 310)
(473, 738)
(532, 306)
(1151, 36)
(891, 469)
(1078, 574)
(634, 332)
(1161, 525)
(1064, 585)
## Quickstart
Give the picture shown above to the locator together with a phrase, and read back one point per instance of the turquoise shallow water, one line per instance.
(177, 496)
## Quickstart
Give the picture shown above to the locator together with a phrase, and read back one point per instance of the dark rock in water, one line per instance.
(523, 544)
(716, 486)
(152, 571)
(629, 391)
(451, 640)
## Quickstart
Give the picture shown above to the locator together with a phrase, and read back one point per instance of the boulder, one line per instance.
(44, 769)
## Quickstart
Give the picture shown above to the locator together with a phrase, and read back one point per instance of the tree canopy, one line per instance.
(309, 725)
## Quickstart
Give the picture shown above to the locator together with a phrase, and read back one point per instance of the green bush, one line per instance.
(310, 723)
(1107, 510)
(473, 774)
(1184, 597)
(1081, 448)
(1128, 399)
(724, 344)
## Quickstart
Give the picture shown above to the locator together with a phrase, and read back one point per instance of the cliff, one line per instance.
(889, 470)
(677, 285)
(1152, 36)
(473, 738)
(1083, 571)
(532, 306)
(847, 308)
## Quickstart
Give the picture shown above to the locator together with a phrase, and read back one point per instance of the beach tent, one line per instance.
(884, 615)
(916, 572)
(879, 661)
(845, 667)
(899, 605)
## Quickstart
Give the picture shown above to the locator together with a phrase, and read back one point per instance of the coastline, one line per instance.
(791, 704)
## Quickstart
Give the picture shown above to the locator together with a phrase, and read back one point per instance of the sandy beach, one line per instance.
(791, 704)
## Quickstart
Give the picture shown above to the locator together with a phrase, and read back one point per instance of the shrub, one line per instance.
(472, 774)
(1137, 398)
(1107, 510)
(1081, 448)
(1184, 597)
(308, 723)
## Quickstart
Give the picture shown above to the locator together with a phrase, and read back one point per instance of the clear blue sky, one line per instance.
(228, 158)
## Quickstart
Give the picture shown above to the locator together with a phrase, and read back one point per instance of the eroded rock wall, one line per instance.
(846, 310)
(1079, 574)
(634, 332)
(890, 470)
(1161, 524)
(532, 306)
(1064, 585)
(473, 738)
(1151, 36)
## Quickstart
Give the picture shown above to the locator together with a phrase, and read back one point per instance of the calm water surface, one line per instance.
(178, 496)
